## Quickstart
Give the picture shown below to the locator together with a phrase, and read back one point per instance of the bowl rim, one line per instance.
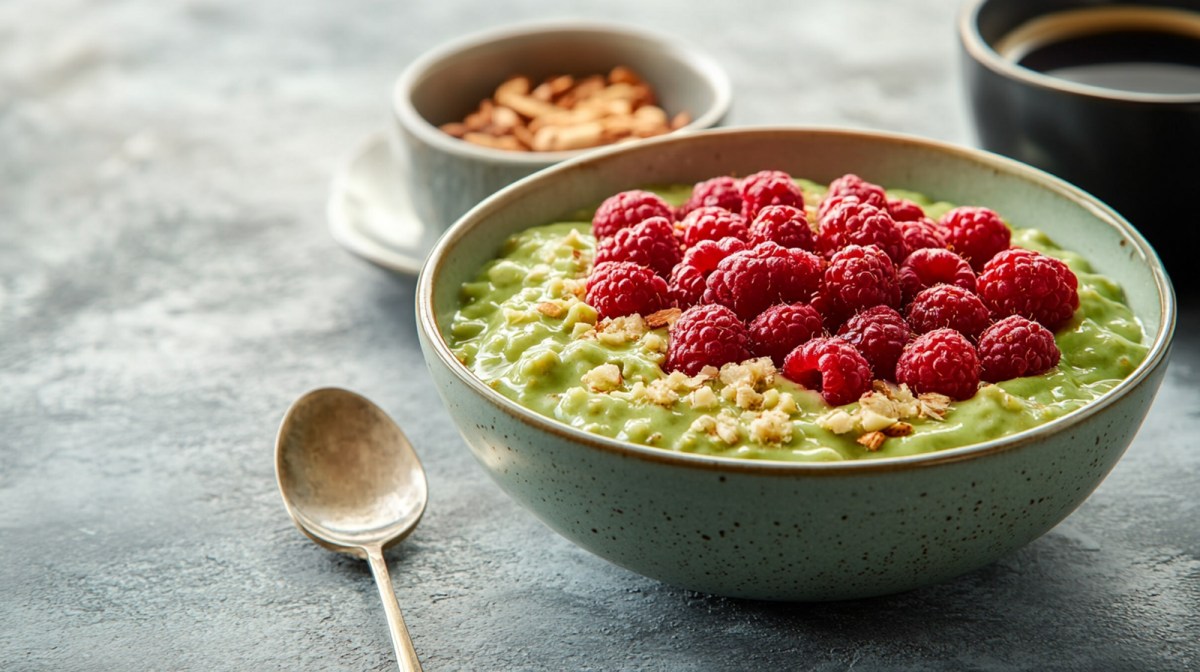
(686, 53)
(982, 52)
(1159, 347)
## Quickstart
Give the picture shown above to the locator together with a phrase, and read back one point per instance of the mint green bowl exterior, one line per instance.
(784, 531)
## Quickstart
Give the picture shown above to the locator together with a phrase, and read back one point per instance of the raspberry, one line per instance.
(941, 361)
(626, 209)
(769, 187)
(781, 328)
(722, 192)
(857, 278)
(1016, 347)
(904, 210)
(948, 307)
(766, 274)
(853, 185)
(976, 234)
(920, 234)
(927, 267)
(853, 222)
(617, 288)
(830, 202)
(880, 334)
(831, 366)
(687, 278)
(782, 224)
(650, 243)
(706, 335)
(1023, 282)
(712, 223)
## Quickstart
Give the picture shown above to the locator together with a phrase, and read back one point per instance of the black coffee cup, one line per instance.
(1104, 95)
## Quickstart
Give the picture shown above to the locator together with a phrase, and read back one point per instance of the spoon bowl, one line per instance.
(352, 482)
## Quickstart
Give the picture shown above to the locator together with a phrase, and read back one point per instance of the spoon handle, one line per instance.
(406, 656)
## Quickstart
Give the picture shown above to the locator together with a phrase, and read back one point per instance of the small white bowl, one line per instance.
(447, 176)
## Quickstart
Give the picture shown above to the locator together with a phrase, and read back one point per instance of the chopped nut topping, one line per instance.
(787, 404)
(883, 404)
(747, 398)
(872, 440)
(583, 330)
(757, 374)
(619, 330)
(682, 382)
(603, 378)
(705, 424)
(871, 421)
(551, 309)
(728, 429)
(660, 392)
(609, 337)
(881, 412)
(703, 398)
(632, 326)
(933, 405)
(574, 288)
(771, 427)
(654, 343)
(837, 421)
(637, 392)
(723, 427)
(663, 318)
(746, 381)
(562, 113)
(574, 240)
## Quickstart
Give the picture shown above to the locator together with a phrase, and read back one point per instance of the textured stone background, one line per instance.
(167, 287)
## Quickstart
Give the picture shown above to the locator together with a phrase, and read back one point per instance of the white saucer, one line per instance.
(370, 214)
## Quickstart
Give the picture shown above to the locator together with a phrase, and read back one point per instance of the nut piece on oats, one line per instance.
(616, 331)
(872, 440)
(603, 378)
(551, 309)
(771, 427)
(663, 318)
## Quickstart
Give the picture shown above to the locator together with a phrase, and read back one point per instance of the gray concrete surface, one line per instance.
(167, 286)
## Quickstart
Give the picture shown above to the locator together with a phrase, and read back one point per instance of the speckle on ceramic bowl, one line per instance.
(798, 531)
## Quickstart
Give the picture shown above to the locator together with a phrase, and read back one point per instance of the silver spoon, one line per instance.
(351, 481)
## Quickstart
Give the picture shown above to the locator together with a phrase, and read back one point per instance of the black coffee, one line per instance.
(1138, 61)
(1127, 48)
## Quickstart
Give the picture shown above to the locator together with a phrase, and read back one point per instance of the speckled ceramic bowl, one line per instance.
(784, 531)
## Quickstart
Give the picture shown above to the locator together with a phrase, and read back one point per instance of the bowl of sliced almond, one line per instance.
(481, 112)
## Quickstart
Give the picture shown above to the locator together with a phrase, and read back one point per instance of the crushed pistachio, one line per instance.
(603, 378)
